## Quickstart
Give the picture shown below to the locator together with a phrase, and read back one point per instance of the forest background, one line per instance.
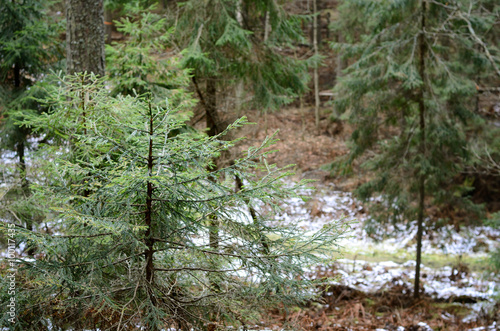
(121, 230)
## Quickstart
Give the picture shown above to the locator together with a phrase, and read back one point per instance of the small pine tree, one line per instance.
(134, 250)
(141, 65)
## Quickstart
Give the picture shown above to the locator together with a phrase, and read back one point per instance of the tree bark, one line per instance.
(421, 184)
(85, 36)
(239, 85)
(316, 78)
(20, 145)
(149, 238)
(108, 25)
(214, 123)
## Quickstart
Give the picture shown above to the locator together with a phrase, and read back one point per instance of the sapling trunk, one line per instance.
(421, 179)
(148, 254)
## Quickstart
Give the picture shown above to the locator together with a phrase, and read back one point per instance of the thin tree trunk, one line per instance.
(85, 36)
(239, 84)
(341, 63)
(20, 145)
(214, 124)
(22, 165)
(108, 25)
(149, 240)
(302, 116)
(421, 184)
(317, 10)
(149, 207)
(17, 76)
(316, 78)
(267, 27)
(253, 214)
(20, 149)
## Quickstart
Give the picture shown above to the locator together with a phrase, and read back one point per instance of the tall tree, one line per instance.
(410, 94)
(85, 36)
(226, 42)
(29, 47)
(133, 252)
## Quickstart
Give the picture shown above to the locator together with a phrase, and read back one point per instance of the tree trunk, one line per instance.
(85, 36)
(421, 184)
(108, 25)
(317, 10)
(239, 85)
(20, 145)
(149, 240)
(214, 128)
(316, 78)
(214, 123)
(267, 26)
(22, 165)
(17, 76)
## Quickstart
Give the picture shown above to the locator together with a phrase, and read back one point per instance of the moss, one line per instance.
(453, 308)
(369, 302)
(435, 261)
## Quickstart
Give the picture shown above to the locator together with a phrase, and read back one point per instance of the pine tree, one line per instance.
(410, 93)
(28, 48)
(225, 43)
(133, 251)
(140, 66)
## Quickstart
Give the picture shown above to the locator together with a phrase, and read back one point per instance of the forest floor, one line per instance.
(373, 275)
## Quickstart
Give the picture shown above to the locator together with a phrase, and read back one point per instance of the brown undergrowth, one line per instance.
(344, 308)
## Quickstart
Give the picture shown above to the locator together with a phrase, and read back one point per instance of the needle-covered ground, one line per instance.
(372, 286)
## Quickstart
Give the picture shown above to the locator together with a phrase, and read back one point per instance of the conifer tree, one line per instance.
(410, 91)
(143, 63)
(28, 48)
(225, 43)
(133, 252)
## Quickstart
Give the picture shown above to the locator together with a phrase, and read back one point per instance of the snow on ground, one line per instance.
(328, 205)
(448, 282)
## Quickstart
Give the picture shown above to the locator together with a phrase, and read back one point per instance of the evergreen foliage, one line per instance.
(129, 209)
(144, 63)
(224, 41)
(28, 48)
(410, 92)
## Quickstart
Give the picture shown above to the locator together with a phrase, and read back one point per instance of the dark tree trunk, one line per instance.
(108, 25)
(20, 149)
(20, 145)
(214, 123)
(17, 76)
(22, 165)
(148, 254)
(214, 128)
(85, 36)
(421, 184)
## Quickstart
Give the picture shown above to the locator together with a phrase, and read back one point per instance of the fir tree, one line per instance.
(143, 64)
(28, 48)
(133, 251)
(410, 93)
(226, 44)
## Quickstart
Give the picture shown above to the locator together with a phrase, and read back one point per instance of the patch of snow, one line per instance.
(424, 326)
